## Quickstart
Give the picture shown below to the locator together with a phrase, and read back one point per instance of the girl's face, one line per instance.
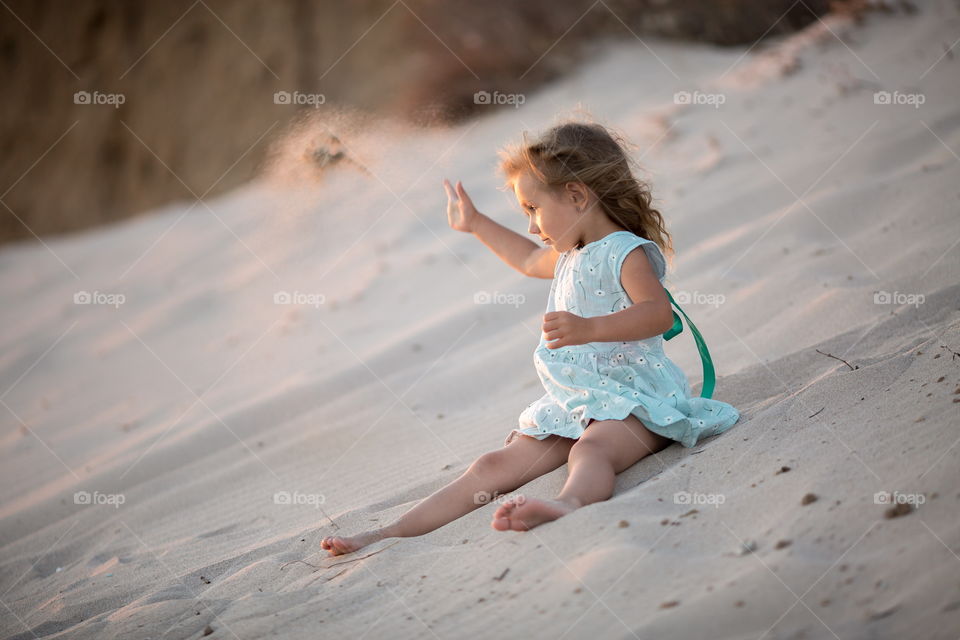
(554, 218)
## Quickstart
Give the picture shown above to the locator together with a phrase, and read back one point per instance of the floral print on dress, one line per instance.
(611, 380)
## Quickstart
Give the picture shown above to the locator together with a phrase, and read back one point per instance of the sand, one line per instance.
(146, 439)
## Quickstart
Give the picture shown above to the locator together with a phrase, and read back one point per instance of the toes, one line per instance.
(504, 510)
(505, 517)
(509, 524)
(341, 545)
(334, 545)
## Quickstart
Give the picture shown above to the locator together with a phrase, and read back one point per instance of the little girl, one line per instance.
(612, 395)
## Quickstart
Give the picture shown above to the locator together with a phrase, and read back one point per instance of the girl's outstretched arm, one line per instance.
(517, 251)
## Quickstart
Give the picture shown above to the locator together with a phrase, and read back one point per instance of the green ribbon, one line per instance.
(709, 376)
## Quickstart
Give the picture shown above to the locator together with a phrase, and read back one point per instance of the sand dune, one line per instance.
(808, 220)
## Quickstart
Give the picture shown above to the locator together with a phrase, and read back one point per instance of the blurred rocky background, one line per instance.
(114, 107)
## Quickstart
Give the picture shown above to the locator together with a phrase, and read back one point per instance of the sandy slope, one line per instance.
(797, 200)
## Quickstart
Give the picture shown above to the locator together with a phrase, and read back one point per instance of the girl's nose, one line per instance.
(532, 228)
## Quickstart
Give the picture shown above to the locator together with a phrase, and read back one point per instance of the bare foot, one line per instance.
(521, 514)
(339, 545)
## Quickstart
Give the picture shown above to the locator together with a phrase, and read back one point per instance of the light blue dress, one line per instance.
(611, 380)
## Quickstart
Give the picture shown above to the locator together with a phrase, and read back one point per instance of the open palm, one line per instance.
(461, 214)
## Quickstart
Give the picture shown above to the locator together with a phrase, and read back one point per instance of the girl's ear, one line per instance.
(577, 192)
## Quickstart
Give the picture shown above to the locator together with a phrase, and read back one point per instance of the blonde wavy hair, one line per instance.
(591, 154)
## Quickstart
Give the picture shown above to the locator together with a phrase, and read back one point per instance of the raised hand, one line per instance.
(461, 214)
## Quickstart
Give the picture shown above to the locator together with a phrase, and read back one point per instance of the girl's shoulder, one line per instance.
(612, 250)
(623, 243)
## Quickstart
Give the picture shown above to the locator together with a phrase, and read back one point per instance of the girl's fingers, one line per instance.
(449, 189)
(463, 193)
(551, 323)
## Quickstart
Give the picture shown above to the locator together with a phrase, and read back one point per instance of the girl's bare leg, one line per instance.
(606, 448)
(495, 472)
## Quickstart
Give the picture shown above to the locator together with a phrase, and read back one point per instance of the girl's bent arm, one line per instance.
(520, 253)
(650, 314)
(637, 322)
